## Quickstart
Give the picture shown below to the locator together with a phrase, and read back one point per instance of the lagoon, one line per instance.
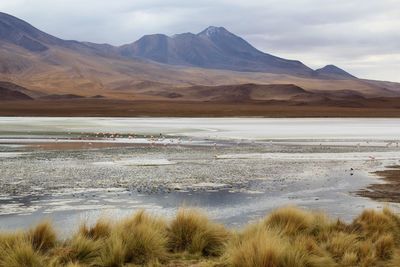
(236, 169)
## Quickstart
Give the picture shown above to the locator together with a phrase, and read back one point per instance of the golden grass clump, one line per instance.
(113, 253)
(349, 259)
(192, 231)
(21, 255)
(289, 220)
(262, 245)
(288, 237)
(145, 244)
(264, 249)
(372, 224)
(292, 221)
(101, 229)
(384, 247)
(43, 237)
(10, 240)
(79, 250)
(342, 243)
(144, 238)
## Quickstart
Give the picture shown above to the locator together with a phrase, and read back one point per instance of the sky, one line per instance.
(360, 36)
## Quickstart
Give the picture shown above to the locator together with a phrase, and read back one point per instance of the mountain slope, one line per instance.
(22, 34)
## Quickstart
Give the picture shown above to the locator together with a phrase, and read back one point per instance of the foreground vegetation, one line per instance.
(287, 237)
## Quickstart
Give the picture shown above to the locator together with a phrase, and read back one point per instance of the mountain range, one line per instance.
(206, 66)
(213, 48)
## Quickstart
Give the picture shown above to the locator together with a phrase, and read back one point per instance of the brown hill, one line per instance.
(234, 93)
(9, 91)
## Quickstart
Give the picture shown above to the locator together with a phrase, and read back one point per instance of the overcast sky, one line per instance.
(361, 36)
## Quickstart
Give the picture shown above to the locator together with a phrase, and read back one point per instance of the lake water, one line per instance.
(236, 169)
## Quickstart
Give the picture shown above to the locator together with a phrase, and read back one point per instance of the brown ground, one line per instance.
(387, 192)
(120, 108)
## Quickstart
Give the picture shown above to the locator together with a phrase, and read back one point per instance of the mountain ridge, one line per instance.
(212, 48)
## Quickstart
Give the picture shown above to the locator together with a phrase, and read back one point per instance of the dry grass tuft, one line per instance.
(192, 231)
(264, 249)
(113, 252)
(341, 243)
(384, 247)
(79, 250)
(43, 237)
(349, 259)
(372, 224)
(10, 240)
(101, 229)
(145, 244)
(21, 255)
(293, 221)
(144, 238)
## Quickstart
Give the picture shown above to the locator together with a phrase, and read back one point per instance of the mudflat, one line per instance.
(386, 107)
(388, 191)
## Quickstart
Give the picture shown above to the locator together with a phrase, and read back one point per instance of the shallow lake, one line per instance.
(236, 169)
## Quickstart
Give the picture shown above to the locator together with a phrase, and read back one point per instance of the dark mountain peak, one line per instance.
(213, 30)
(333, 71)
(331, 68)
(153, 46)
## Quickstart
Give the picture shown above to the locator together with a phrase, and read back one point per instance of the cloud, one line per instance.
(360, 36)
